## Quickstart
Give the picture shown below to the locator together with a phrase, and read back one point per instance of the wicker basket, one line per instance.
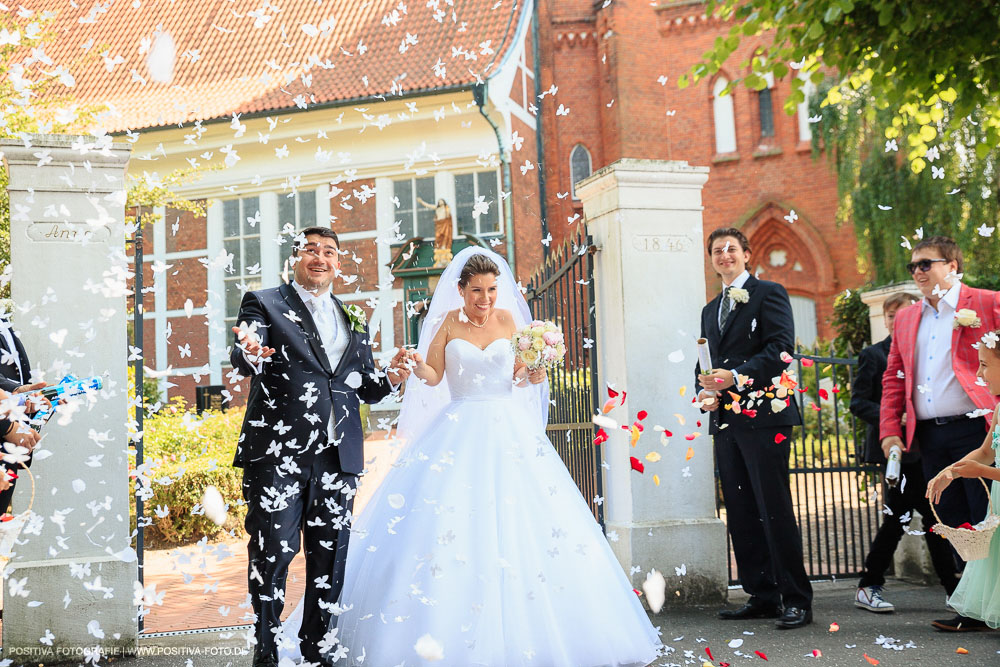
(11, 529)
(970, 544)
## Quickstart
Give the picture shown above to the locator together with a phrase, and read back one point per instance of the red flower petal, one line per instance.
(624, 394)
(708, 651)
(779, 438)
(642, 415)
(636, 464)
(808, 362)
(761, 655)
(668, 433)
(612, 393)
(750, 413)
(822, 394)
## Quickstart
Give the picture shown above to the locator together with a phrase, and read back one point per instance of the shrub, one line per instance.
(183, 453)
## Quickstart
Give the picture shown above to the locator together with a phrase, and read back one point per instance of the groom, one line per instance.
(748, 327)
(302, 444)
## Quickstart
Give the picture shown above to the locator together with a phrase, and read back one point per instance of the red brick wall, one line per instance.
(747, 191)
(353, 208)
(524, 202)
(190, 234)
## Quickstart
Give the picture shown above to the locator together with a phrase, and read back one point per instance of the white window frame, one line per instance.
(416, 207)
(495, 205)
(808, 89)
(804, 317)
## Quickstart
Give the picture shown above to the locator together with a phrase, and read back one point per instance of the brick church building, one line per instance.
(365, 118)
(616, 67)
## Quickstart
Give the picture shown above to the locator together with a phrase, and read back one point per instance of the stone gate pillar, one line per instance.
(646, 217)
(75, 569)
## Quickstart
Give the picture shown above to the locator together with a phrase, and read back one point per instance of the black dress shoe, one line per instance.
(265, 659)
(961, 624)
(794, 617)
(751, 610)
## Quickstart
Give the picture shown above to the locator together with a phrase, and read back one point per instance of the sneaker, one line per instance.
(870, 598)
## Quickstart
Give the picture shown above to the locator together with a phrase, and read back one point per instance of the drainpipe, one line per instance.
(479, 95)
(539, 140)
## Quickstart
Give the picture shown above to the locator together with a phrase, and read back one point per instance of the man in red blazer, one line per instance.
(931, 376)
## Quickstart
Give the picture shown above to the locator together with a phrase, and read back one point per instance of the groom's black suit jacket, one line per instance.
(755, 335)
(297, 388)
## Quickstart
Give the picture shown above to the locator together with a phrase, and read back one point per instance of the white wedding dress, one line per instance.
(479, 538)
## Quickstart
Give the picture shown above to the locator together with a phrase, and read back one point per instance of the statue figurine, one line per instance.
(442, 231)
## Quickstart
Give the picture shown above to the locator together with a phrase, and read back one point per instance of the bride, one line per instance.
(477, 549)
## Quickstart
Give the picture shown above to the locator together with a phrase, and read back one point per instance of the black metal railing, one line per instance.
(833, 491)
(562, 291)
(137, 381)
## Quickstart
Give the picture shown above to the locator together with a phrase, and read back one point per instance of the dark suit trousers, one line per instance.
(318, 513)
(900, 500)
(753, 470)
(964, 500)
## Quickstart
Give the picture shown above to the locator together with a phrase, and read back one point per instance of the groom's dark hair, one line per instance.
(731, 232)
(325, 232)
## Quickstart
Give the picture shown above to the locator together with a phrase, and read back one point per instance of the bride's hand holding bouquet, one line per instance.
(537, 347)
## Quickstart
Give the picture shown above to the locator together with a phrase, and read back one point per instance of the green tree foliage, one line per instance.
(891, 206)
(851, 321)
(913, 58)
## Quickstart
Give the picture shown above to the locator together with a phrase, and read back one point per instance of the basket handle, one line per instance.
(989, 497)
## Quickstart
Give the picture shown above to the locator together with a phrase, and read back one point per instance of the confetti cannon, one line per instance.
(69, 387)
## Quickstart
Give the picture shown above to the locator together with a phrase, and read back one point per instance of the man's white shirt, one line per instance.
(737, 283)
(942, 395)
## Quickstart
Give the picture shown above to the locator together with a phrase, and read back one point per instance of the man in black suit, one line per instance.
(748, 326)
(15, 373)
(302, 443)
(908, 494)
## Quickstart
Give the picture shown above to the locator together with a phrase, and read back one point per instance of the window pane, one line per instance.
(231, 217)
(465, 197)
(251, 207)
(233, 298)
(725, 123)
(489, 222)
(307, 208)
(251, 250)
(403, 190)
(579, 165)
(233, 247)
(425, 216)
(766, 114)
(286, 211)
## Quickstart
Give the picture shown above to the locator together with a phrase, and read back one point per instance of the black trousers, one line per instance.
(964, 500)
(903, 499)
(314, 504)
(753, 470)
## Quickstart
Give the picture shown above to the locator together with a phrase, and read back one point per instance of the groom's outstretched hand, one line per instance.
(251, 344)
(400, 367)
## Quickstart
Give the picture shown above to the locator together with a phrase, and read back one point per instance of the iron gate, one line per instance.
(563, 291)
(836, 497)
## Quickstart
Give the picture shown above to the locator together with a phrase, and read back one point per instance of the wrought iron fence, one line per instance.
(833, 491)
(563, 291)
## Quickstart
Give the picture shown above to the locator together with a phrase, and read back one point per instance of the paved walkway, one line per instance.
(901, 639)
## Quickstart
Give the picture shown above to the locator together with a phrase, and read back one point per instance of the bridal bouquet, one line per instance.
(539, 344)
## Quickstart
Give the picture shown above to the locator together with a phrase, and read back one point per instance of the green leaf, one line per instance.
(815, 30)
(832, 13)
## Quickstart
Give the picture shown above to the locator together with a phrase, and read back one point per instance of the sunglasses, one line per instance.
(923, 265)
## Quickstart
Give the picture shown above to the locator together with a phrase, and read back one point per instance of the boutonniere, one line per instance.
(966, 317)
(739, 295)
(356, 316)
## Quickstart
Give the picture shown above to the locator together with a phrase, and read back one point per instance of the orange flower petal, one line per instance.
(690, 454)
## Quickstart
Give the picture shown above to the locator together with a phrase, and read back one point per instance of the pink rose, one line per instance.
(524, 343)
(550, 338)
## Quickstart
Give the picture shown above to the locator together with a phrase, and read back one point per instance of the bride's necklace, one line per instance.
(473, 322)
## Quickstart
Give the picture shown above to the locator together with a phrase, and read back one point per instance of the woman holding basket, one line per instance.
(978, 594)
